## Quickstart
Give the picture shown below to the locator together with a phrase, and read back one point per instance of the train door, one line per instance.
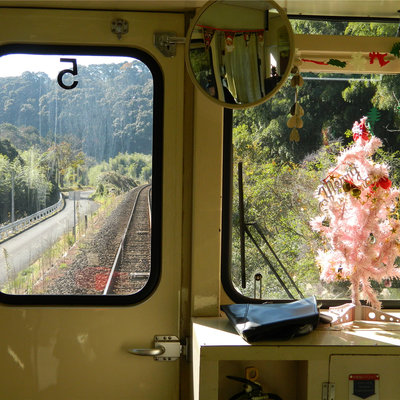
(64, 351)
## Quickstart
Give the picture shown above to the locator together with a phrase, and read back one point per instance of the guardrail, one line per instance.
(22, 224)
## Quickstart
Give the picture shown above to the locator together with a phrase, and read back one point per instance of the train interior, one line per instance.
(169, 169)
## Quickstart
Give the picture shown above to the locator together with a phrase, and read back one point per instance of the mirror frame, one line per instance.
(272, 4)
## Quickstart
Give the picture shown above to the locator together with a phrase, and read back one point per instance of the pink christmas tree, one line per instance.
(359, 219)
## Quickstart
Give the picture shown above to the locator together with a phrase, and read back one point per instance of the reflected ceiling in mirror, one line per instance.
(240, 52)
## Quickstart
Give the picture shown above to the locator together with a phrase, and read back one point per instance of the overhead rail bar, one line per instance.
(313, 52)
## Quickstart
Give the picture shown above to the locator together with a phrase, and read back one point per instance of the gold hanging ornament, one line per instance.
(296, 110)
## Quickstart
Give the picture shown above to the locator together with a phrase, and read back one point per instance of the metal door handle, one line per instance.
(166, 348)
(157, 351)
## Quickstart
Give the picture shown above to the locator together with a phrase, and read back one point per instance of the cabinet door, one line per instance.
(369, 376)
(80, 352)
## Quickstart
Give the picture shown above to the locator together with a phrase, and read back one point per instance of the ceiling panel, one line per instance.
(134, 5)
(353, 8)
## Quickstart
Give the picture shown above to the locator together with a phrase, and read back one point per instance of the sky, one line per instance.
(16, 64)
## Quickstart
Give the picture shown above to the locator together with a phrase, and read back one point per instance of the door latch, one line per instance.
(172, 345)
(166, 348)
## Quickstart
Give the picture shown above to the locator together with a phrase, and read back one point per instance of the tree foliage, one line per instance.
(26, 176)
(120, 173)
(110, 110)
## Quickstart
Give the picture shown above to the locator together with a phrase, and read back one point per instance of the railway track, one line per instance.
(131, 266)
(115, 260)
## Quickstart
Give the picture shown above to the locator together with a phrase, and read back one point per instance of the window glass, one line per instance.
(77, 168)
(336, 27)
(273, 246)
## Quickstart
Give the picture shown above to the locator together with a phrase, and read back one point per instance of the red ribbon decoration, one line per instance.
(207, 37)
(380, 57)
(315, 62)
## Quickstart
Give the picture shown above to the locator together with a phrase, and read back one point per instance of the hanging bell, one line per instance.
(295, 122)
(297, 80)
(299, 111)
(292, 122)
(294, 135)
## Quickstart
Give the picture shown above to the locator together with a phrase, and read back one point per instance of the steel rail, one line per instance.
(145, 275)
(149, 206)
(122, 243)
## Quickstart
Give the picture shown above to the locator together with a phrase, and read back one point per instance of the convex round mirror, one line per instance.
(239, 53)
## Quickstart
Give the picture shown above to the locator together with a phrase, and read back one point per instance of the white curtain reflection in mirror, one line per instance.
(244, 72)
(239, 58)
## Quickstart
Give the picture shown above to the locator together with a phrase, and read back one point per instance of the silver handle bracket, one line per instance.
(166, 42)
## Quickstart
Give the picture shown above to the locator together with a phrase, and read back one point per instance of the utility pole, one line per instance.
(74, 196)
(12, 196)
(74, 217)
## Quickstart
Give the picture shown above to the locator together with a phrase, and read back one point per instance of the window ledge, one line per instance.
(218, 332)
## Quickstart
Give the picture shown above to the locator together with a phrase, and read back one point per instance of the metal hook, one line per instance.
(257, 278)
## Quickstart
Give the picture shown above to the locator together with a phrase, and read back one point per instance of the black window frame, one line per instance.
(157, 173)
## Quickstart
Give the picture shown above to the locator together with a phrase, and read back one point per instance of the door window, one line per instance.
(80, 180)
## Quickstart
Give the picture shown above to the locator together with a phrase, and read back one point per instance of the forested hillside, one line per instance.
(51, 138)
(109, 112)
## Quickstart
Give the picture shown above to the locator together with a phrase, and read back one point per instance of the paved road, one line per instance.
(27, 247)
